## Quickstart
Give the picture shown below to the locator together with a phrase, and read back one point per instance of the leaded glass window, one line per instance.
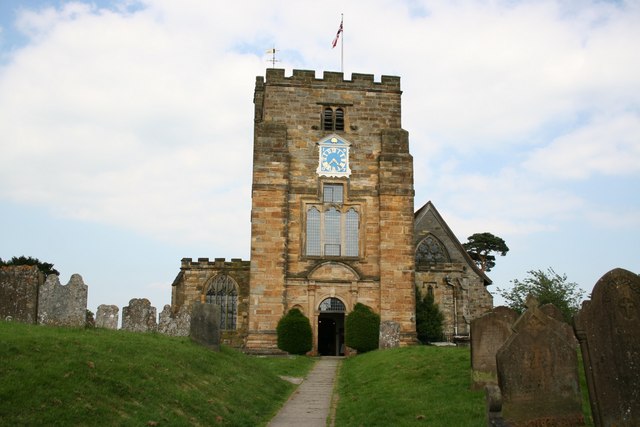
(430, 250)
(352, 225)
(313, 232)
(333, 193)
(332, 232)
(332, 305)
(223, 292)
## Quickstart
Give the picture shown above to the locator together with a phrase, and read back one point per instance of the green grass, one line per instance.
(407, 386)
(59, 376)
(418, 385)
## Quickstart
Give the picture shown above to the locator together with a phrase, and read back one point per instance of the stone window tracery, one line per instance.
(223, 292)
(431, 250)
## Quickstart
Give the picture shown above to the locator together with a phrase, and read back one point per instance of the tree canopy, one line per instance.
(481, 246)
(548, 287)
(45, 267)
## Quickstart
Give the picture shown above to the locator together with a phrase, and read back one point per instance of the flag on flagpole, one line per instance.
(335, 41)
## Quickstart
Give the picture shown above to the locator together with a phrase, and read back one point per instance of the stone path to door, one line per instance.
(310, 404)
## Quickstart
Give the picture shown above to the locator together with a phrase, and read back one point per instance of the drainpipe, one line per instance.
(449, 282)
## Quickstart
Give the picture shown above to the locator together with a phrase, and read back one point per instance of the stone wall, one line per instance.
(19, 287)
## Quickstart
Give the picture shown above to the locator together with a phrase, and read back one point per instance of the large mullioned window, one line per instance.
(223, 292)
(332, 227)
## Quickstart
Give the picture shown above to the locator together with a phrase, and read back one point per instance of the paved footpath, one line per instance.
(310, 404)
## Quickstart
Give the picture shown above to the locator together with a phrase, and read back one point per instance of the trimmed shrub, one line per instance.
(294, 333)
(429, 318)
(362, 329)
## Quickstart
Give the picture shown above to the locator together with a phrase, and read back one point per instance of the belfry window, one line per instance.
(333, 118)
(223, 292)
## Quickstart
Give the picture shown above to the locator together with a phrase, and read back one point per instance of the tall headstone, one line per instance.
(489, 332)
(608, 328)
(107, 316)
(139, 316)
(177, 324)
(63, 305)
(555, 313)
(204, 328)
(538, 373)
(19, 287)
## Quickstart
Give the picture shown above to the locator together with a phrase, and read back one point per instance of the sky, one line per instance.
(126, 127)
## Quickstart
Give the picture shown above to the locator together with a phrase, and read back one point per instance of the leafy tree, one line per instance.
(294, 333)
(362, 329)
(429, 318)
(547, 287)
(45, 267)
(480, 246)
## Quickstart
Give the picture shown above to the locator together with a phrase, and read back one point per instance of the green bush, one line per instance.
(294, 333)
(362, 329)
(429, 318)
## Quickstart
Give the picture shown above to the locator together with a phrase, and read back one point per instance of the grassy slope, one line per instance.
(418, 385)
(99, 377)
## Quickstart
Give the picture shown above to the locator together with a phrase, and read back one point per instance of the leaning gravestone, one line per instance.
(608, 330)
(176, 325)
(139, 316)
(538, 373)
(204, 328)
(555, 313)
(488, 333)
(63, 305)
(389, 334)
(107, 316)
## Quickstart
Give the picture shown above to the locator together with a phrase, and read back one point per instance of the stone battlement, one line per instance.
(187, 263)
(275, 76)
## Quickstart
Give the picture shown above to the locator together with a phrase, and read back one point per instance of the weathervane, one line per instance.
(273, 59)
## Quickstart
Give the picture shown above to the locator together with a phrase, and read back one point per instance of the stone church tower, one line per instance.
(332, 222)
(332, 205)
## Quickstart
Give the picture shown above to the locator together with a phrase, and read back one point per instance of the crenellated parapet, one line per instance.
(216, 263)
(332, 79)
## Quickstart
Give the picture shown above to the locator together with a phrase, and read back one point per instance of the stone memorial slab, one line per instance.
(538, 373)
(389, 334)
(204, 328)
(554, 312)
(139, 316)
(489, 332)
(177, 325)
(19, 287)
(608, 329)
(63, 305)
(107, 316)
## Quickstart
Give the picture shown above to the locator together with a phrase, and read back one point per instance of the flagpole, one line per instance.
(342, 44)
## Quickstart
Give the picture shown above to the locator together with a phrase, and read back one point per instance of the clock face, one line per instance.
(333, 159)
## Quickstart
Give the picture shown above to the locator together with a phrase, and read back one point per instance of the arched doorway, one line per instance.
(331, 327)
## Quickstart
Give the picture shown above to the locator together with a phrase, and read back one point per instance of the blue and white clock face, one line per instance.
(334, 157)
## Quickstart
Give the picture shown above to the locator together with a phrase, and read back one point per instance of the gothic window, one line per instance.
(223, 292)
(332, 118)
(332, 232)
(332, 305)
(431, 250)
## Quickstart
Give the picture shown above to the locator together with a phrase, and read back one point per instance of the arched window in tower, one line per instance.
(223, 292)
(339, 115)
(430, 251)
(332, 305)
(313, 232)
(352, 225)
(327, 119)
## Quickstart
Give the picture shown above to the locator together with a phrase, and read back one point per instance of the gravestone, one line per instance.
(608, 330)
(107, 316)
(389, 334)
(554, 312)
(177, 325)
(63, 305)
(538, 373)
(204, 328)
(19, 286)
(139, 316)
(488, 333)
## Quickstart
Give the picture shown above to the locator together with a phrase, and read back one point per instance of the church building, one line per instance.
(333, 222)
